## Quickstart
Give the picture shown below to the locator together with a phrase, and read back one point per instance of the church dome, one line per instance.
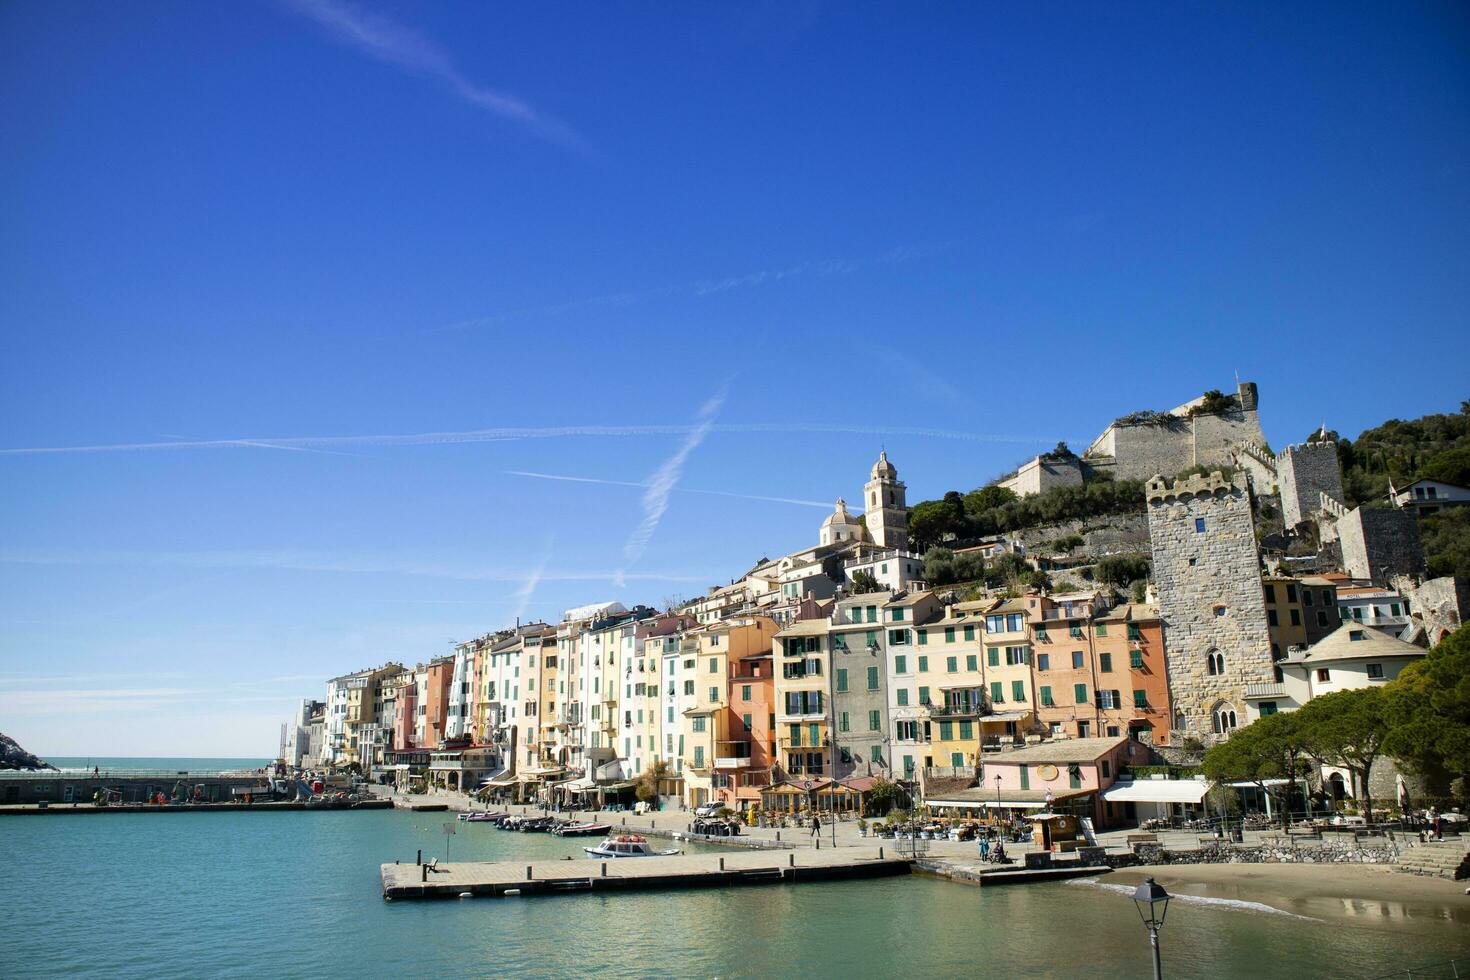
(840, 517)
(884, 470)
(841, 526)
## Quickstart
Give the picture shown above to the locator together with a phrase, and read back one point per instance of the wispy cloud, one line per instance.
(663, 480)
(699, 288)
(644, 484)
(511, 433)
(354, 565)
(403, 47)
(527, 589)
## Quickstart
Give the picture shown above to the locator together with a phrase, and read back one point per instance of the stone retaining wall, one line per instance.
(1325, 853)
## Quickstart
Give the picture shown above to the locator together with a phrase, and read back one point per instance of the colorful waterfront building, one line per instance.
(860, 684)
(1132, 634)
(951, 669)
(911, 680)
(1081, 691)
(802, 707)
(1008, 673)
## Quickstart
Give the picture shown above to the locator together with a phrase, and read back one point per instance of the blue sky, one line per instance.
(360, 265)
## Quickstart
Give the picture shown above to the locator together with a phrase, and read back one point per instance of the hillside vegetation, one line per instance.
(992, 510)
(1400, 452)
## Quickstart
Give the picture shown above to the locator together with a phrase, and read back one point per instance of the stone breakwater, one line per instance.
(1326, 853)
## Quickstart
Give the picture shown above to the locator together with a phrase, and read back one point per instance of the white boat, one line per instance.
(626, 846)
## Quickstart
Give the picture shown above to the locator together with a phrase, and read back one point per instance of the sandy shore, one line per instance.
(1362, 894)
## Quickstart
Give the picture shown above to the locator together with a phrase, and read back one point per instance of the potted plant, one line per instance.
(862, 827)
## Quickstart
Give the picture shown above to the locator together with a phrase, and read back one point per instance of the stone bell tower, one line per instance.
(885, 506)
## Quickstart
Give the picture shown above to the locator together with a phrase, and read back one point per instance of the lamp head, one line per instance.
(1152, 902)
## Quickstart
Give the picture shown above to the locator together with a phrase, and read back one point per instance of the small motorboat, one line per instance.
(482, 817)
(537, 825)
(582, 829)
(627, 846)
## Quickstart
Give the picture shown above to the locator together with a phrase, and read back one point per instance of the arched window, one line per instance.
(1214, 663)
(874, 495)
(1224, 719)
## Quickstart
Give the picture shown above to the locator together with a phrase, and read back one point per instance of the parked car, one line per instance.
(708, 809)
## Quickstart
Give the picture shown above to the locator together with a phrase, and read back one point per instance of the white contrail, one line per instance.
(644, 485)
(663, 480)
(510, 433)
(378, 37)
(528, 587)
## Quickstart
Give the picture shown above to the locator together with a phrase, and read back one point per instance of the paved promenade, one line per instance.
(501, 878)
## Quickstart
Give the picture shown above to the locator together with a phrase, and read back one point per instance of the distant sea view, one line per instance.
(167, 763)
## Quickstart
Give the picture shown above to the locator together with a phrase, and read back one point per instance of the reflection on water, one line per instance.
(1378, 909)
(297, 894)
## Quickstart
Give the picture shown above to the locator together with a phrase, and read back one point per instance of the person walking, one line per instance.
(816, 825)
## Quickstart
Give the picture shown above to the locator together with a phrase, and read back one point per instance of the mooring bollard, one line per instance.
(778, 837)
(791, 860)
(420, 858)
(880, 854)
(423, 872)
(528, 872)
(722, 864)
(604, 869)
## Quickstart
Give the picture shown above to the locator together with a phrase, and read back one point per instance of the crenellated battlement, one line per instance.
(1160, 490)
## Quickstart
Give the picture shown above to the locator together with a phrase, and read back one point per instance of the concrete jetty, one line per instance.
(262, 806)
(509, 878)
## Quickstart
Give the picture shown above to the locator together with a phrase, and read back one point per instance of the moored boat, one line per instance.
(582, 829)
(483, 817)
(627, 846)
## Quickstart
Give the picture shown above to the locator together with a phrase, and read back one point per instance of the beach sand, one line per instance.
(1363, 894)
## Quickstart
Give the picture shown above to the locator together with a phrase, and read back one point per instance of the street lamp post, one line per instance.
(997, 804)
(1153, 904)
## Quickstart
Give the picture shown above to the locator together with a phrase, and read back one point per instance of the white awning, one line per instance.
(1257, 784)
(1157, 791)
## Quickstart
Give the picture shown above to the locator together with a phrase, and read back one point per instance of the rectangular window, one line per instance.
(923, 638)
(872, 614)
(875, 753)
(1018, 690)
(841, 680)
(1199, 525)
(1080, 690)
(872, 638)
(1140, 699)
(1269, 707)
(814, 731)
(903, 696)
(967, 729)
(1375, 671)
(1135, 659)
(995, 624)
(992, 655)
(1102, 629)
(900, 664)
(1015, 622)
(1017, 655)
(1075, 778)
(898, 637)
(995, 692)
(972, 662)
(946, 731)
(1296, 616)
(952, 664)
(745, 692)
(1043, 662)
(1046, 700)
(1107, 699)
(872, 678)
(898, 615)
(1025, 778)
(1271, 619)
(923, 695)
(1041, 636)
(1076, 659)
(688, 688)
(697, 724)
(1105, 663)
(1134, 634)
(970, 631)
(1324, 674)
(875, 720)
(842, 722)
(745, 721)
(949, 634)
(714, 694)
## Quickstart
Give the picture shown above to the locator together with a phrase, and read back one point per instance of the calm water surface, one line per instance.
(297, 894)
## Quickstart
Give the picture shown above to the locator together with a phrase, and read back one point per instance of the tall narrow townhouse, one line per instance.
(1133, 634)
(405, 710)
(502, 686)
(911, 678)
(659, 655)
(751, 743)
(708, 730)
(640, 699)
(369, 727)
(953, 669)
(421, 708)
(678, 689)
(570, 730)
(457, 720)
(613, 642)
(1008, 672)
(860, 685)
(1082, 691)
(435, 706)
(548, 660)
(802, 708)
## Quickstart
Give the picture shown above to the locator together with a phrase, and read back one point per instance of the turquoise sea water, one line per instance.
(168, 764)
(297, 894)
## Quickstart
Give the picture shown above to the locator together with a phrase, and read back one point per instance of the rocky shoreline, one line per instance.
(12, 756)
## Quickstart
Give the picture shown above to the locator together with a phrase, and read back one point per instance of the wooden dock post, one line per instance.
(420, 858)
(791, 859)
(722, 864)
(528, 872)
(604, 867)
(880, 854)
(423, 872)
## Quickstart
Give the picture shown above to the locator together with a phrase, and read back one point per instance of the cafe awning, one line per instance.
(1157, 791)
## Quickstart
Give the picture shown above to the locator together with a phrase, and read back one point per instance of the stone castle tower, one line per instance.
(886, 507)
(1207, 570)
(1304, 473)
